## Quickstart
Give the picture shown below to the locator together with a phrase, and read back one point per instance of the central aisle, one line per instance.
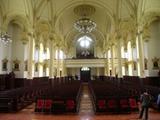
(86, 106)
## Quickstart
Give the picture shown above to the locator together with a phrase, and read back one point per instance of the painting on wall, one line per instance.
(134, 65)
(155, 63)
(26, 66)
(126, 66)
(145, 64)
(44, 69)
(36, 67)
(4, 64)
(16, 64)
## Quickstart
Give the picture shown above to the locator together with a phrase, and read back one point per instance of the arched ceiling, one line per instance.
(58, 15)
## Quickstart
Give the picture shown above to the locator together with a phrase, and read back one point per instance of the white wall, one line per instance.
(76, 71)
(73, 71)
(93, 71)
(5, 54)
(18, 50)
(154, 47)
(13, 51)
(25, 58)
(134, 53)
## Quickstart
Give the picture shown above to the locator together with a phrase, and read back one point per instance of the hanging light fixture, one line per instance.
(5, 38)
(84, 24)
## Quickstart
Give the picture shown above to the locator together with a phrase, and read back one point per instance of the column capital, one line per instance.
(133, 43)
(52, 36)
(30, 34)
(139, 32)
(37, 46)
(24, 37)
(139, 29)
(112, 44)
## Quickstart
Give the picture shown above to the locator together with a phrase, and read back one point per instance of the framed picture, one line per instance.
(4, 64)
(126, 66)
(16, 64)
(145, 64)
(155, 63)
(44, 67)
(134, 65)
(26, 65)
(36, 67)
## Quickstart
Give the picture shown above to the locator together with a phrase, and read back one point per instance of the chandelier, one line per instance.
(5, 38)
(85, 25)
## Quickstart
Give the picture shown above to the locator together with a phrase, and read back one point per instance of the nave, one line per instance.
(86, 112)
(48, 48)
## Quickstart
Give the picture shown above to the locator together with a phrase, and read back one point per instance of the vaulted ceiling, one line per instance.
(57, 16)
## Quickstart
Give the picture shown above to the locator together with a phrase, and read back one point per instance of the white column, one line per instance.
(98, 71)
(130, 59)
(133, 48)
(112, 61)
(51, 60)
(58, 62)
(64, 72)
(30, 57)
(140, 54)
(126, 57)
(36, 59)
(41, 61)
(119, 58)
(109, 60)
(106, 68)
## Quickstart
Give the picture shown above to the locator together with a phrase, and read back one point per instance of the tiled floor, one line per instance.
(28, 114)
(85, 113)
(86, 106)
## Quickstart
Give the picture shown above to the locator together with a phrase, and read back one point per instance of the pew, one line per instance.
(63, 100)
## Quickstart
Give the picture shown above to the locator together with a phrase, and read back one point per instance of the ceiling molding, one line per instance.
(98, 4)
(1, 11)
(56, 15)
(19, 18)
(150, 16)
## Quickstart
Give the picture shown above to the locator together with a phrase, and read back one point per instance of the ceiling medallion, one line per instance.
(84, 24)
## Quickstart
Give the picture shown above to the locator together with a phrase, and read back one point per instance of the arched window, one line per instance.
(59, 54)
(36, 55)
(85, 41)
(85, 47)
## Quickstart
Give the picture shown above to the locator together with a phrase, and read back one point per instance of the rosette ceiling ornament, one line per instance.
(84, 24)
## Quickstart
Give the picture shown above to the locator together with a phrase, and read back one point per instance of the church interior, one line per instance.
(79, 59)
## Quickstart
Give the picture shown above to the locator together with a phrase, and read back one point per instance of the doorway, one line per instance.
(85, 74)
